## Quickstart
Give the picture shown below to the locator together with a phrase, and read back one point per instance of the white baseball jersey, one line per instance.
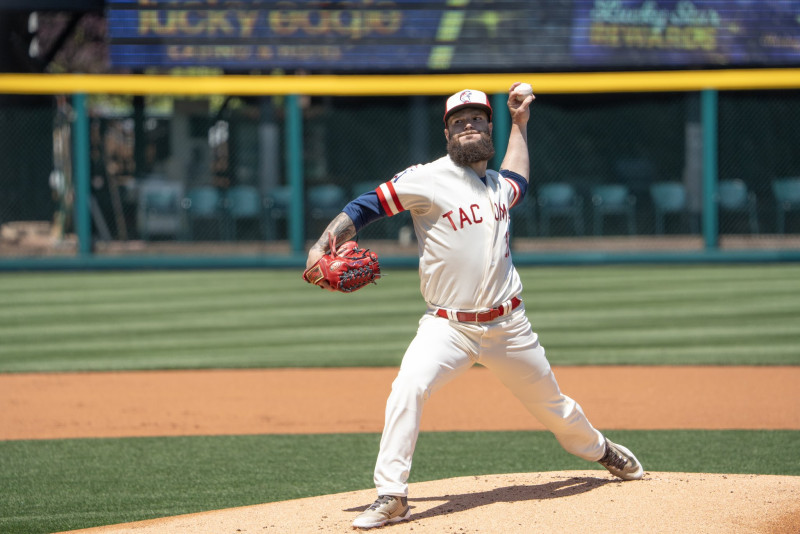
(462, 228)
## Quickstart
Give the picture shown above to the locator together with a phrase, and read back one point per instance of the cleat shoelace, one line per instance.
(614, 459)
(380, 502)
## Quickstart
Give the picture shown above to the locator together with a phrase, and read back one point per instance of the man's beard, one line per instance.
(472, 152)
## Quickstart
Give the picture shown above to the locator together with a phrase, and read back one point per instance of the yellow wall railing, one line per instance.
(392, 85)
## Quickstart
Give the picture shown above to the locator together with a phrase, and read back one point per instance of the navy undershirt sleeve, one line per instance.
(364, 209)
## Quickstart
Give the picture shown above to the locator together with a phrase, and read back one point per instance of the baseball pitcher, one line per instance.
(475, 309)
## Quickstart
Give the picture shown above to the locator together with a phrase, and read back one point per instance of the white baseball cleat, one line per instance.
(386, 509)
(621, 462)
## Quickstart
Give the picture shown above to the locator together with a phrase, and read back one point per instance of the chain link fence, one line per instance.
(208, 175)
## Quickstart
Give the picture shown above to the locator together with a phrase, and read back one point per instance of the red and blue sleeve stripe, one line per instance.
(518, 183)
(389, 200)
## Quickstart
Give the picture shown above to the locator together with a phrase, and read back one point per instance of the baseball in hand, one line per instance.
(523, 90)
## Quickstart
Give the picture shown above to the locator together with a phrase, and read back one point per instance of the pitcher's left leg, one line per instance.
(512, 351)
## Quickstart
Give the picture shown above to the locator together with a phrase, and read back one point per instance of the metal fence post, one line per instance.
(294, 170)
(709, 111)
(81, 181)
(501, 126)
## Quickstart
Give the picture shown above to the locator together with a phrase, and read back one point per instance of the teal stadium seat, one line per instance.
(324, 203)
(735, 198)
(669, 198)
(244, 205)
(159, 211)
(276, 203)
(202, 206)
(787, 199)
(613, 200)
(559, 200)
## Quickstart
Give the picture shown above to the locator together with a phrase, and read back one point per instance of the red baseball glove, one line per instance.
(347, 269)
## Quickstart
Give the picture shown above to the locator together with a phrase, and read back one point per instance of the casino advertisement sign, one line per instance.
(452, 35)
(248, 35)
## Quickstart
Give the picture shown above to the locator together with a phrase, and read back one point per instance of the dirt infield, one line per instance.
(298, 401)
(172, 403)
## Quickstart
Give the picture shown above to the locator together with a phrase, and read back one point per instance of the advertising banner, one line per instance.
(400, 36)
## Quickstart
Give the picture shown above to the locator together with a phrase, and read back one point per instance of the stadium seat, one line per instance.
(734, 197)
(202, 206)
(613, 199)
(669, 198)
(324, 203)
(159, 209)
(243, 204)
(787, 199)
(559, 200)
(277, 202)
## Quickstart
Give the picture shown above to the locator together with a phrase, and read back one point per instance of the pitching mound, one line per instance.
(573, 502)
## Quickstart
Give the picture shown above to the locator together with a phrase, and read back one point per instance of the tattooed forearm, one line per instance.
(341, 227)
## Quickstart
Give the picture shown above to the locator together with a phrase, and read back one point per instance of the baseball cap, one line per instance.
(467, 98)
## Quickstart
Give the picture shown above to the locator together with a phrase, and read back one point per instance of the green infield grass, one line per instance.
(57, 485)
(638, 315)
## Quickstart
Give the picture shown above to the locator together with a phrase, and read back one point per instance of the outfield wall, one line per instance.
(113, 171)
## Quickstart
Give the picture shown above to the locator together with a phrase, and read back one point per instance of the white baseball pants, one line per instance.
(441, 351)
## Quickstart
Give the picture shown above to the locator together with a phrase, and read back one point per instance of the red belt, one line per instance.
(479, 317)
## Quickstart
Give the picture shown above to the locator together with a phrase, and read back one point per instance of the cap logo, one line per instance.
(467, 97)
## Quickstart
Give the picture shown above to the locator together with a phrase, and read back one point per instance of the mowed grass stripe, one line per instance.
(287, 280)
(164, 300)
(629, 322)
(690, 336)
(22, 282)
(146, 298)
(238, 329)
(633, 276)
(752, 353)
(651, 308)
(198, 315)
(232, 355)
(198, 338)
(600, 296)
(58, 286)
